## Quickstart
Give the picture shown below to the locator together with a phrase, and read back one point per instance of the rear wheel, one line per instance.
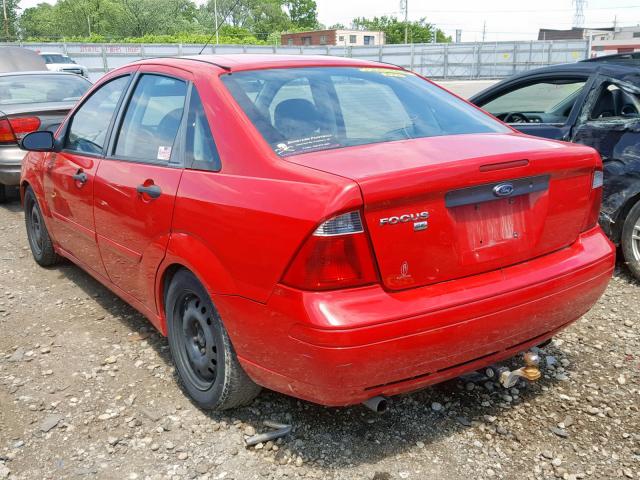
(37, 234)
(202, 352)
(631, 240)
(3, 193)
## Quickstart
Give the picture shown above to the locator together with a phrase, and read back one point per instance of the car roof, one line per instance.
(53, 53)
(586, 67)
(248, 61)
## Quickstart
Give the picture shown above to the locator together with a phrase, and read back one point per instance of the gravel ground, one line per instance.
(87, 390)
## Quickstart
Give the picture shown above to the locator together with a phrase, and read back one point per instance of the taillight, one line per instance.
(595, 200)
(13, 129)
(336, 255)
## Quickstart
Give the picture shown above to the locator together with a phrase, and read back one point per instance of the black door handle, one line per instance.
(153, 191)
(80, 176)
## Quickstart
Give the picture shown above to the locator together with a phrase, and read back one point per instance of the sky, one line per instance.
(505, 20)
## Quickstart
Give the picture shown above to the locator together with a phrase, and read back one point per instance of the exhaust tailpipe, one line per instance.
(377, 404)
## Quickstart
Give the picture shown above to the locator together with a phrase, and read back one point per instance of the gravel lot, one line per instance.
(87, 390)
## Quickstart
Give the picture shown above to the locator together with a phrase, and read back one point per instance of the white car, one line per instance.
(59, 62)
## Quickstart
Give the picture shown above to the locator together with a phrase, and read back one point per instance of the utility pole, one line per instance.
(404, 5)
(484, 30)
(6, 20)
(215, 14)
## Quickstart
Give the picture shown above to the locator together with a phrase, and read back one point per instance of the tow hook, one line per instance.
(508, 378)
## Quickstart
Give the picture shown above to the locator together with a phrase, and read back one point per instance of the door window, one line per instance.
(615, 102)
(549, 101)
(152, 119)
(89, 125)
(201, 150)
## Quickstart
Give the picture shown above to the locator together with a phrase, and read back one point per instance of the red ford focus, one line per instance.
(329, 228)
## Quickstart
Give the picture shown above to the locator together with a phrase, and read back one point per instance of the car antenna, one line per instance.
(224, 19)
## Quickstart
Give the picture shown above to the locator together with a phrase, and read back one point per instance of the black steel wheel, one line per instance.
(39, 240)
(201, 349)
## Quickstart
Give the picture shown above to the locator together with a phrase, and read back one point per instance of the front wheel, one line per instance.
(201, 349)
(631, 240)
(39, 240)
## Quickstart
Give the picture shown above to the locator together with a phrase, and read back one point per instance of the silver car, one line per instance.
(31, 101)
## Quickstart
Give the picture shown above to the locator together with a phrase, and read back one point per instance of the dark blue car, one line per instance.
(595, 102)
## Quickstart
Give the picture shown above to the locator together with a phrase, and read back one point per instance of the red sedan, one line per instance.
(329, 228)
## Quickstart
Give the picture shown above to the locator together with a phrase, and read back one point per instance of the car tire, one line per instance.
(37, 234)
(3, 193)
(204, 357)
(630, 240)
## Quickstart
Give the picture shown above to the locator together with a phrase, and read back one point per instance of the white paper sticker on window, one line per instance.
(164, 153)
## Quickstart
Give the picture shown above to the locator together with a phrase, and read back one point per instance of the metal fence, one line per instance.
(435, 60)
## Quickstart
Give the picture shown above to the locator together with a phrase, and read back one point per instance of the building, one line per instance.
(620, 40)
(604, 41)
(340, 37)
(574, 33)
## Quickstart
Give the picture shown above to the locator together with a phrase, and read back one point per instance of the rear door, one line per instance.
(543, 105)
(136, 184)
(69, 175)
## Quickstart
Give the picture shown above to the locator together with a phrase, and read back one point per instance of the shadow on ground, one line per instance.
(337, 437)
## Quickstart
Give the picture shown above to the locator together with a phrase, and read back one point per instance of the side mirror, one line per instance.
(41, 141)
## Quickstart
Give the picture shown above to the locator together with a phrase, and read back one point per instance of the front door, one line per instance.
(69, 175)
(136, 183)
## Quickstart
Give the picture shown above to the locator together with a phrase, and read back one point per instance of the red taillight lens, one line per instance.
(13, 129)
(337, 255)
(595, 200)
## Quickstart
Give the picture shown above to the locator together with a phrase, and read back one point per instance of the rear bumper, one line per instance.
(343, 347)
(10, 164)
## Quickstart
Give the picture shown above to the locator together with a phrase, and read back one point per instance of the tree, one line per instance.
(419, 31)
(303, 13)
(39, 21)
(9, 26)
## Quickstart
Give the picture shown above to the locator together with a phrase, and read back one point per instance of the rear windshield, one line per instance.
(41, 88)
(299, 110)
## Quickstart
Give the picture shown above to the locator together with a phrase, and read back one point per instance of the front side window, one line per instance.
(152, 119)
(201, 150)
(299, 110)
(542, 102)
(88, 128)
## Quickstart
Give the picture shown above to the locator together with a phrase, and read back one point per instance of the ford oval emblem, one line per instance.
(503, 189)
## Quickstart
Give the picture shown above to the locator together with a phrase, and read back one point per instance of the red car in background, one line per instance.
(329, 228)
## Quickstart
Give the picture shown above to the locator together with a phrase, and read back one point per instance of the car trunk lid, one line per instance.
(442, 208)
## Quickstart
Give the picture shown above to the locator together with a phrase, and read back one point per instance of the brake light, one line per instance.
(595, 200)
(13, 129)
(336, 255)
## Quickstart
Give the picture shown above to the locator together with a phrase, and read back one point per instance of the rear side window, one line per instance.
(89, 125)
(300, 110)
(201, 150)
(152, 119)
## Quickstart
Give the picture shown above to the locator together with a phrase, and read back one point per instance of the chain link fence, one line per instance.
(443, 61)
